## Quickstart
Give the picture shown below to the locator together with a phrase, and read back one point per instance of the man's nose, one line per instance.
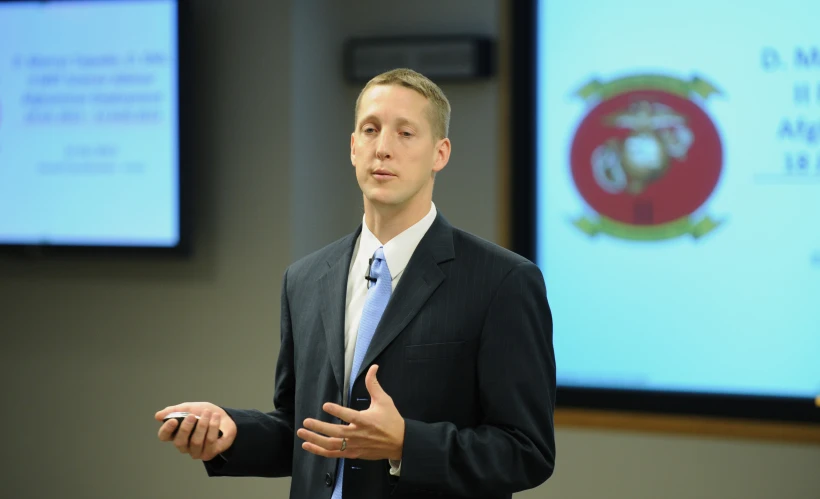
(384, 146)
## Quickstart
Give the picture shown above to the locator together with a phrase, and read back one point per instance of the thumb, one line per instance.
(171, 408)
(373, 387)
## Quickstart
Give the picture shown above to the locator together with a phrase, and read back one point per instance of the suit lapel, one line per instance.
(333, 286)
(420, 278)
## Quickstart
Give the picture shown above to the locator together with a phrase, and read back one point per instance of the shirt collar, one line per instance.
(397, 251)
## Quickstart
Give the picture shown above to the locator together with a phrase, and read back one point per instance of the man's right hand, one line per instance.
(203, 442)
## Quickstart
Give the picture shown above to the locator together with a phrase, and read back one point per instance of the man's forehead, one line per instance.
(411, 106)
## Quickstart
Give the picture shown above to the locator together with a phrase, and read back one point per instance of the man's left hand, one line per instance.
(377, 433)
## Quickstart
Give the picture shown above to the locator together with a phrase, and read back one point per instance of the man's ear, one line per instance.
(353, 149)
(442, 155)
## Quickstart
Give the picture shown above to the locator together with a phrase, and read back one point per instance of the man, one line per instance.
(416, 360)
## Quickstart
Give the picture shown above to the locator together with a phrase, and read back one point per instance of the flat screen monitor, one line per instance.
(667, 183)
(90, 149)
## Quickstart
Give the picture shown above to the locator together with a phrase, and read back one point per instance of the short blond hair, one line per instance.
(439, 109)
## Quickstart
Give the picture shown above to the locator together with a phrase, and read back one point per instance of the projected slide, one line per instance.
(679, 193)
(88, 123)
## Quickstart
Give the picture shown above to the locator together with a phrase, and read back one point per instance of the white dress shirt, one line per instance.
(397, 253)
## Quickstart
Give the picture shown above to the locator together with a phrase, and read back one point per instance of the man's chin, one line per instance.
(382, 203)
(382, 200)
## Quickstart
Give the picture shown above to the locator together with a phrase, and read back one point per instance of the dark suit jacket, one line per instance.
(465, 350)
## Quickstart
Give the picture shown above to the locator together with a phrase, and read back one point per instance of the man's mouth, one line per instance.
(383, 174)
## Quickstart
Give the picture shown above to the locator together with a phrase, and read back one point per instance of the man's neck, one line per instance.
(387, 222)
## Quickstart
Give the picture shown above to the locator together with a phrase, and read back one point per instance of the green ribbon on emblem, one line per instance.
(681, 227)
(682, 88)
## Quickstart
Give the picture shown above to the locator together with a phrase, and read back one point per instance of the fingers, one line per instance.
(171, 408)
(344, 413)
(181, 440)
(204, 441)
(211, 447)
(321, 451)
(166, 431)
(329, 429)
(314, 441)
(372, 384)
(198, 437)
(329, 442)
(197, 442)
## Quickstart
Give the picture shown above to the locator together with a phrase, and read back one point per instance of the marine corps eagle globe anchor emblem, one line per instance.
(646, 158)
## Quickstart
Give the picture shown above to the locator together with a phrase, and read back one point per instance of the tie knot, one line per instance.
(379, 268)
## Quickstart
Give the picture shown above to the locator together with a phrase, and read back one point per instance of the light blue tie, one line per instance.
(378, 294)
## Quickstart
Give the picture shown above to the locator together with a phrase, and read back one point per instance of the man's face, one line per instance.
(393, 148)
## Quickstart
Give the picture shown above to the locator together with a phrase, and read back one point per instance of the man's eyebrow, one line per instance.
(368, 118)
(405, 121)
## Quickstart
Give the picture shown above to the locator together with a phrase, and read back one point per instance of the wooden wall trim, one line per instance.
(689, 425)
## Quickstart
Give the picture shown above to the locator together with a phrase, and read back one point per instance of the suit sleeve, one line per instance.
(264, 440)
(513, 448)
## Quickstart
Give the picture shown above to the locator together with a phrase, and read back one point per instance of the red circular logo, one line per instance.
(646, 157)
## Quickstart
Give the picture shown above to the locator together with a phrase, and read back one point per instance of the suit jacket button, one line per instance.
(328, 479)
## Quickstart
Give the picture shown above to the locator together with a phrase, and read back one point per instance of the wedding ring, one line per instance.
(344, 445)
